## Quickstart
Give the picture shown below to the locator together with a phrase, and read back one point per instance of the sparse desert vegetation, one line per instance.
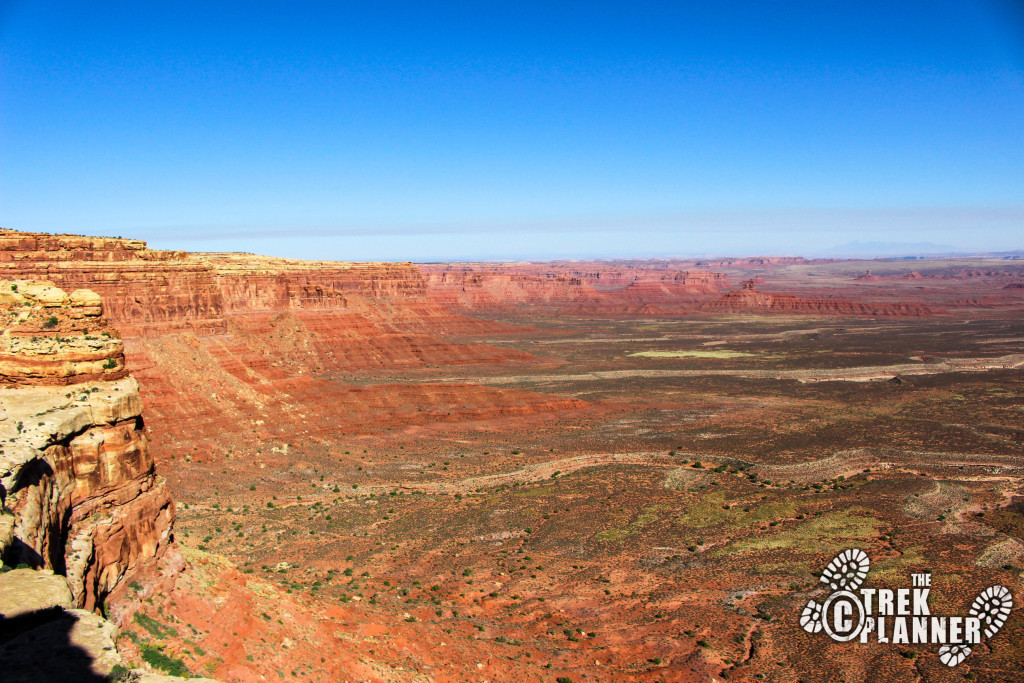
(654, 502)
(409, 489)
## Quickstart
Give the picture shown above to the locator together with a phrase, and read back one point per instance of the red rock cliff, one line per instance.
(146, 291)
(138, 286)
(749, 300)
(587, 285)
(81, 494)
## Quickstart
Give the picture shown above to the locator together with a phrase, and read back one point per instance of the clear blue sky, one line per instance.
(431, 131)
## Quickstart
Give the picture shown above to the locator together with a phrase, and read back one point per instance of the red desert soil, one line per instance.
(534, 471)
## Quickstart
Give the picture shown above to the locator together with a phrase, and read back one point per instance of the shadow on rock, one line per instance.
(55, 645)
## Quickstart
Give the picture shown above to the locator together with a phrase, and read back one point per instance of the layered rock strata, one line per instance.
(139, 286)
(749, 300)
(589, 286)
(81, 497)
(147, 291)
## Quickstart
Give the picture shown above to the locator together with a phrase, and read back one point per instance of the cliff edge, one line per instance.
(81, 508)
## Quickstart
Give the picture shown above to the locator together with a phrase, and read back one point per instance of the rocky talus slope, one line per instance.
(83, 510)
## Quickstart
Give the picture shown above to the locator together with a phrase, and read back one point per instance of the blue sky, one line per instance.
(433, 131)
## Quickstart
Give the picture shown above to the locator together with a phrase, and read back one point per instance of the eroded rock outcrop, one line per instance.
(589, 286)
(149, 291)
(53, 338)
(749, 300)
(140, 287)
(81, 494)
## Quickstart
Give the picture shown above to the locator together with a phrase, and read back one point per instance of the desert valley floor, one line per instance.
(653, 508)
(493, 480)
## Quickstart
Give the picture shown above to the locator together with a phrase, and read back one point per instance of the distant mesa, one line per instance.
(868, 276)
(750, 300)
(612, 287)
(751, 262)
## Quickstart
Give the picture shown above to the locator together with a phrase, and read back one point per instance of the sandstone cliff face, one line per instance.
(231, 348)
(475, 289)
(264, 283)
(250, 311)
(146, 291)
(137, 285)
(589, 286)
(748, 300)
(75, 467)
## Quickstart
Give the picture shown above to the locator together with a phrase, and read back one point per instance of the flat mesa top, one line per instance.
(241, 262)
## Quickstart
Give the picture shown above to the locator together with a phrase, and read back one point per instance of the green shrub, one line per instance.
(155, 628)
(170, 665)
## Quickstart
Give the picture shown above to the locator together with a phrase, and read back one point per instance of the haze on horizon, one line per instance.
(460, 131)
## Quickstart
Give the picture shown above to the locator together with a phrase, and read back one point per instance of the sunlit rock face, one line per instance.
(749, 300)
(81, 494)
(148, 292)
(590, 287)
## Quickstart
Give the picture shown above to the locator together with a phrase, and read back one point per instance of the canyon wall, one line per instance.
(749, 300)
(389, 311)
(139, 287)
(81, 496)
(648, 288)
(231, 349)
(585, 286)
(263, 283)
(148, 292)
